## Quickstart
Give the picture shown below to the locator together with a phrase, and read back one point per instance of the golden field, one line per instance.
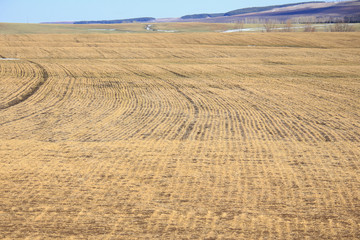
(180, 136)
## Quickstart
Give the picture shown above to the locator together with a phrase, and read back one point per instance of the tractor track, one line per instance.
(25, 96)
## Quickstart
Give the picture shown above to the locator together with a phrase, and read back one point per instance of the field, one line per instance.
(21, 28)
(180, 136)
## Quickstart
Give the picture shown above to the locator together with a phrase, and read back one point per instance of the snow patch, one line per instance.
(102, 29)
(149, 28)
(9, 59)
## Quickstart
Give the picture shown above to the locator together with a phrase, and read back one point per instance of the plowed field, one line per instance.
(180, 136)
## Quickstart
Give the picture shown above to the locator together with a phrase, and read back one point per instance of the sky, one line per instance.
(36, 11)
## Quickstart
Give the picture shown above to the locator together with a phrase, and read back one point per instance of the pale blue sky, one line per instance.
(35, 11)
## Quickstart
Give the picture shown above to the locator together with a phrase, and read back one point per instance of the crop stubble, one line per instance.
(180, 136)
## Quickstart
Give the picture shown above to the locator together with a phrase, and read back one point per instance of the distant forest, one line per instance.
(243, 11)
(348, 10)
(130, 20)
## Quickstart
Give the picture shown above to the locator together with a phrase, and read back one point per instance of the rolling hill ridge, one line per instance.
(314, 10)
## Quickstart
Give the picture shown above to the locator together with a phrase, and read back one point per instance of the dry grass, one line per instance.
(21, 28)
(186, 136)
(185, 27)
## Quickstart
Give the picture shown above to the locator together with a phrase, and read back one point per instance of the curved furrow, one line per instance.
(22, 72)
(182, 136)
(139, 114)
(188, 126)
(78, 109)
(213, 116)
(241, 113)
(173, 110)
(146, 111)
(28, 90)
(317, 103)
(98, 105)
(12, 79)
(157, 124)
(109, 111)
(161, 119)
(94, 102)
(259, 111)
(174, 116)
(302, 124)
(207, 111)
(304, 129)
(287, 128)
(50, 95)
(233, 110)
(153, 120)
(152, 106)
(313, 117)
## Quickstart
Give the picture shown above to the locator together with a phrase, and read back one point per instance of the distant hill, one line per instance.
(202, 15)
(348, 10)
(129, 20)
(260, 9)
(315, 10)
(243, 11)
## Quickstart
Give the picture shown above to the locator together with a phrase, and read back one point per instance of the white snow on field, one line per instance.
(254, 29)
(9, 59)
(281, 28)
(169, 31)
(149, 28)
(102, 29)
(244, 30)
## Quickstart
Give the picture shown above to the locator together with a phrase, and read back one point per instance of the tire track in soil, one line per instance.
(68, 91)
(131, 111)
(19, 70)
(149, 124)
(24, 97)
(302, 130)
(190, 127)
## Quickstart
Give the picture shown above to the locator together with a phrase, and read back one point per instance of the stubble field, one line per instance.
(180, 136)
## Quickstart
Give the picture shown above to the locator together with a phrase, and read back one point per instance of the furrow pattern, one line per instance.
(180, 136)
(30, 89)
